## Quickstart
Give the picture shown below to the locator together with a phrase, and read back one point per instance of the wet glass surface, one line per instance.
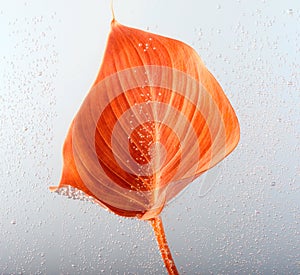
(242, 217)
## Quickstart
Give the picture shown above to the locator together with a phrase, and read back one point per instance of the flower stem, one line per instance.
(158, 228)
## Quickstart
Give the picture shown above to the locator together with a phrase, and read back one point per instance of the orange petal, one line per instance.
(154, 120)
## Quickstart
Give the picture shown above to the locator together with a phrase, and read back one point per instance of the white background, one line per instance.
(50, 52)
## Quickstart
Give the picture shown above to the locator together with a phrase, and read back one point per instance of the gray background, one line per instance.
(243, 217)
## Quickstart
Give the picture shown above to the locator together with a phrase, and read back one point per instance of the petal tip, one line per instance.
(114, 22)
(53, 188)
